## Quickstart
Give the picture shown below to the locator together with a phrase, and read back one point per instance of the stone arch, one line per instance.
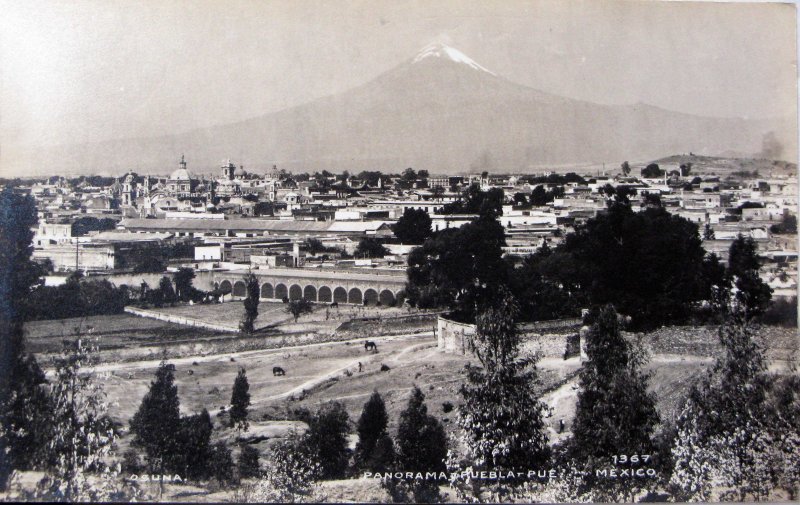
(371, 297)
(267, 291)
(386, 298)
(310, 293)
(325, 294)
(240, 289)
(295, 292)
(281, 291)
(225, 286)
(354, 296)
(340, 295)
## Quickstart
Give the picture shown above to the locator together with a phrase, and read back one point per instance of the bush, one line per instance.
(447, 407)
(385, 368)
(327, 438)
(781, 312)
(248, 462)
(221, 465)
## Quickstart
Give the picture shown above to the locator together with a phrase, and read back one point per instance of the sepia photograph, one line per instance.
(399, 251)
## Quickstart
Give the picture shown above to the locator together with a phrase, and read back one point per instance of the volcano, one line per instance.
(440, 111)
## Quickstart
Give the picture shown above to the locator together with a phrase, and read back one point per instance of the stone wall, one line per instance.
(187, 321)
(549, 338)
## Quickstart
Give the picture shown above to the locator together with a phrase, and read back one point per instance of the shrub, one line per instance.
(384, 367)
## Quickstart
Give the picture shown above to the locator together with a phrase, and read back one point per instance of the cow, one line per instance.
(368, 344)
(276, 370)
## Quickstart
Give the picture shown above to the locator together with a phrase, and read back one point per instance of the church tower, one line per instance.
(228, 170)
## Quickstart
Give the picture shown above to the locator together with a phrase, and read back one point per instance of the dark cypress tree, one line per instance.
(371, 427)
(615, 413)
(167, 291)
(421, 440)
(194, 445)
(421, 447)
(383, 456)
(240, 400)
(183, 283)
(327, 438)
(156, 425)
(752, 294)
(24, 406)
(247, 324)
(248, 462)
(220, 466)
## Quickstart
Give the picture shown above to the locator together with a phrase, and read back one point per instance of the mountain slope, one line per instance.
(440, 111)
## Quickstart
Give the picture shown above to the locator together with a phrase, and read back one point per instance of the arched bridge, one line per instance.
(326, 286)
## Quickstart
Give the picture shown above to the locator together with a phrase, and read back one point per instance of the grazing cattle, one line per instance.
(276, 370)
(368, 344)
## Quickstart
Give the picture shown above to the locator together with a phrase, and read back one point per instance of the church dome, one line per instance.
(181, 174)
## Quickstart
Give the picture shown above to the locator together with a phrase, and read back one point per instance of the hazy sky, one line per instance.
(86, 70)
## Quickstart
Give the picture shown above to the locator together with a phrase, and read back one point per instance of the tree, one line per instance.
(24, 407)
(738, 435)
(149, 264)
(220, 465)
(327, 437)
(247, 324)
(708, 232)
(83, 225)
(626, 168)
(371, 429)
(409, 174)
(421, 441)
(299, 307)
(289, 474)
(82, 434)
(421, 447)
(787, 225)
(413, 227)
(752, 294)
(458, 268)
(156, 425)
(248, 462)
(167, 291)
(686, 169)
(615, 413)
(652, 171)
(194, 442)
(647, 263)
(183, 283)
(240, 400)
(423, 174)
(501, 419)
(314, 246)
(369, 247)
(487, 204)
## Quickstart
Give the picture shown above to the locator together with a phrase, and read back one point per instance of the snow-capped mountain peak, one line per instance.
(439, 50)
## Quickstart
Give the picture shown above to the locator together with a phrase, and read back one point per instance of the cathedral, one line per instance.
(183, 192)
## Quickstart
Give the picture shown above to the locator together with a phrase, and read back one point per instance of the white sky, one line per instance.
(89, 70)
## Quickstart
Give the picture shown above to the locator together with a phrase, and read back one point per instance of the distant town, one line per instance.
(237, 221)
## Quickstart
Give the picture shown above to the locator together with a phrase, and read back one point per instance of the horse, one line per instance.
(276, 370)
(368, 344)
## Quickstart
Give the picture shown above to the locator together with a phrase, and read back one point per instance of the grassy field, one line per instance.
(322, 367)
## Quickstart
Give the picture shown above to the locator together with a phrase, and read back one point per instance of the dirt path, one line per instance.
(148, 364)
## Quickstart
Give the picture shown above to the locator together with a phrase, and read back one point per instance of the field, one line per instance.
(321, 356)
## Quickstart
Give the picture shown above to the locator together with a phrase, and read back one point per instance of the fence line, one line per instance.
(186, 321)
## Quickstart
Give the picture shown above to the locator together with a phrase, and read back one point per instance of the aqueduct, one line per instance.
(340, 286)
